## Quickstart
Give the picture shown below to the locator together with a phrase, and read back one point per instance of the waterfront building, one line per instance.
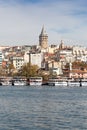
(55, 67)
(43, 39)
(75, 70)
(36, 59)
(77, 73)
(18, 61)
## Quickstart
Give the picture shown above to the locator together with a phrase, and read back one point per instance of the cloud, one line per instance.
(21, 21)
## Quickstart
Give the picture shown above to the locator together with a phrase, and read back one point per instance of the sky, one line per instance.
(21, 21)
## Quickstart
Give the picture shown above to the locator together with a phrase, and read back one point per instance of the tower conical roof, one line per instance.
(43, 32)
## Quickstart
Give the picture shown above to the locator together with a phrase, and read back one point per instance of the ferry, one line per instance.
(77, 82)
(57, 82)
(19, 82)
(6, 81)
(35, 81)
(73, 83)
(84, 82)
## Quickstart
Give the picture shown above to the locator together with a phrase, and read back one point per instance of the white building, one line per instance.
(36, 59)
(79, 50)
(82, 58)
(65, 55)
(80, 53)
(18, 61)
(26, 57)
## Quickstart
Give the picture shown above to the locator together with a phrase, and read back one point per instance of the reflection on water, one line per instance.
(43, 108)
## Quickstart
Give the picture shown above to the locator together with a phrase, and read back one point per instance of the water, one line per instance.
(43, 108)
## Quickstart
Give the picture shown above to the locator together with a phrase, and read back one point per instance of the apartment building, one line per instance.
(36, 59)
(18, 61)
(80, 53)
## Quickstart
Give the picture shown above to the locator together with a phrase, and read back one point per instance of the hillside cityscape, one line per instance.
(44, 59)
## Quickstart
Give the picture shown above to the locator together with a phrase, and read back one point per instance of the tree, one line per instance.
(28, 70)
(11, 68)
(2, 71)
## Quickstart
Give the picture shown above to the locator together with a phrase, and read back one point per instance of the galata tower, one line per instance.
(43, 39)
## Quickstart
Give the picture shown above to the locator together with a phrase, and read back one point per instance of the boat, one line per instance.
(73, 83)
(83, 82)
(57, 82)
(6, 81)
(19, 81)
(35, 81)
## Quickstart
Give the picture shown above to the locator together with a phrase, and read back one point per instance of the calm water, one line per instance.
(43, 108)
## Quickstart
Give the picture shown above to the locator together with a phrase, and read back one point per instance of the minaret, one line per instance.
(43, 39)
(61, 46)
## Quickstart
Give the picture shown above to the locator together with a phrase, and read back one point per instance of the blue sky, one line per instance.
(21, 21)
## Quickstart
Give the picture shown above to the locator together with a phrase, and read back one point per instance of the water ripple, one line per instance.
(43, 108)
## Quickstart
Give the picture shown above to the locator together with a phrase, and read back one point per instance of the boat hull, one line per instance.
(35, 84)
(19, 83)
(73, 83)
(84, 83)
(35, 81)
(57, 84)
(6, 83)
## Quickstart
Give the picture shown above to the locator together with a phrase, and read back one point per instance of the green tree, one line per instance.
(28, 70)
(2, 71)
(11, 69)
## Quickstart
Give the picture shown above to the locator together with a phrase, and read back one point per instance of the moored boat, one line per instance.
(73, 82)
(57, 82)
(6, 81)
(19, 81)
(35, 81)
(84, 82)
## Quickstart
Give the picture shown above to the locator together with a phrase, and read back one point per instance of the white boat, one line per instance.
(6, 83)
(57, 82)
(73, 83)
(35, 81)
(84, 82)
(19, 81)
